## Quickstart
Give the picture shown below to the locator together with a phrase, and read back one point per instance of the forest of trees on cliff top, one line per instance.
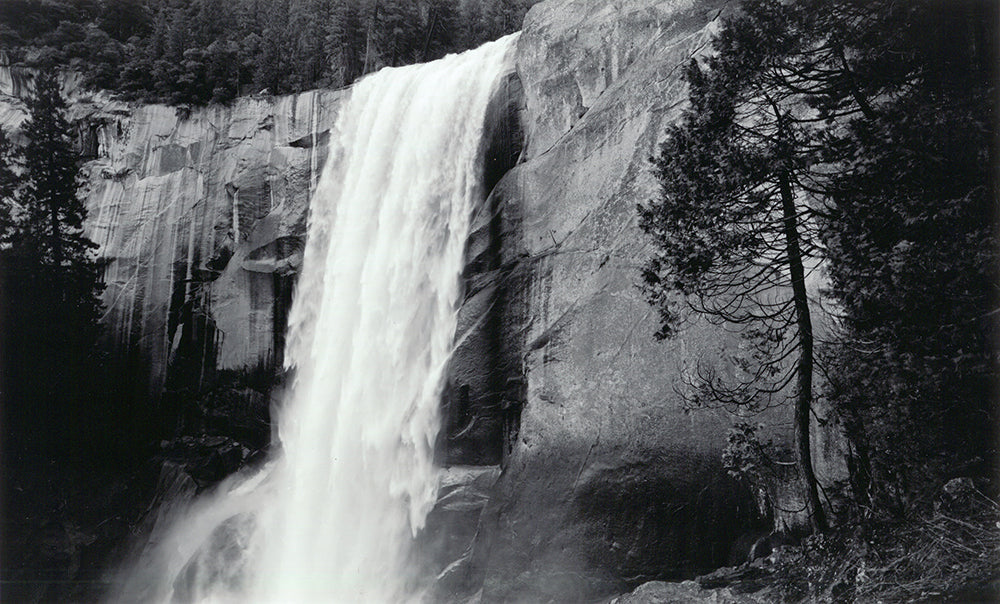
(200, 51)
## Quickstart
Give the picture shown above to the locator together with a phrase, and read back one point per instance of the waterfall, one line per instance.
(332, 516)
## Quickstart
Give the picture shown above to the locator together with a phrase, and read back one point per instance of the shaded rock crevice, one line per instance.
(482, 397)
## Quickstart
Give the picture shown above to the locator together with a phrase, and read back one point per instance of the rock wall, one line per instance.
(480, 410)
(609, 481)
(202, 213)
(200, 216)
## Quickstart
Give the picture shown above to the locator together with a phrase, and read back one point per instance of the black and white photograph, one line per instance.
(499, 301)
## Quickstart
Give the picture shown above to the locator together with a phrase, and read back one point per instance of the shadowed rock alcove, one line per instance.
(482, 396)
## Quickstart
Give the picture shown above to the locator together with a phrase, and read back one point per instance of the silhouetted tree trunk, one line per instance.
(804, 364)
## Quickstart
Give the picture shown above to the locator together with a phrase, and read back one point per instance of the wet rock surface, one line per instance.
(480, 403)
(204, 460)
(445, 543)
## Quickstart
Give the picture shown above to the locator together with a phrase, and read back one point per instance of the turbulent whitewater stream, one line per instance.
(332, 517)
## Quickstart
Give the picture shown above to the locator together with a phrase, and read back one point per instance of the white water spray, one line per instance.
(331, 519)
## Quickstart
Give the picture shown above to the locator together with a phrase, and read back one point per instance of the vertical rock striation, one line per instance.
(200, 217)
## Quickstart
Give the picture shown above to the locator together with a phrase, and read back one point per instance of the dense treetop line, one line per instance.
(200, 51)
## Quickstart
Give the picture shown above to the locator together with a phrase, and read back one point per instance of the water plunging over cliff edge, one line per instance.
(332, 516)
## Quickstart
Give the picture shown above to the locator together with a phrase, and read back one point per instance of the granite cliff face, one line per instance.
(200, 217)
(608, 482)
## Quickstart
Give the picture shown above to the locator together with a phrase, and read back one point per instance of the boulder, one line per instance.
(687, 592)
(957, 496)
(200, 462)
(445, 543)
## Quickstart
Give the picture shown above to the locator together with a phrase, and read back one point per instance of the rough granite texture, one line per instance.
(686, 592)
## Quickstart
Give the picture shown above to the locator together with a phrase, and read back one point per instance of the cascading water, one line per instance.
(331, 518)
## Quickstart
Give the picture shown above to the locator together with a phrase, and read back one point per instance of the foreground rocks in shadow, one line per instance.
(687, 592)
(204, 460)
(65, 524)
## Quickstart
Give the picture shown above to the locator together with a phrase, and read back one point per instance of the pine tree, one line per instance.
(346, 40)
(53, 223)
(861, 135)
(733, 227)
(122, 19)
(306, 22)
(52, 286)
(441, 33)
(912, 246)
(8, 186)
(395, 32)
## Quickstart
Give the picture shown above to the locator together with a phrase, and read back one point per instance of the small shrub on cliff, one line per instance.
(746, 455)
(8, 185)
